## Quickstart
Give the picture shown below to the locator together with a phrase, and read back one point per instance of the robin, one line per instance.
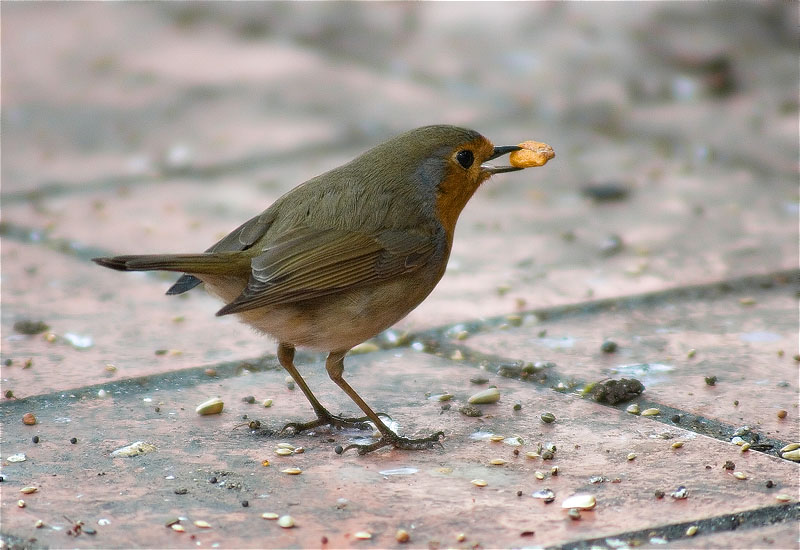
(345, 255)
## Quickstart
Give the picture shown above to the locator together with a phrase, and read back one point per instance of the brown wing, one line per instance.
(241, 238)
(307, 263)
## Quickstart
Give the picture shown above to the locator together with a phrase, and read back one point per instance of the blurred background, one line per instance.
(155, 127)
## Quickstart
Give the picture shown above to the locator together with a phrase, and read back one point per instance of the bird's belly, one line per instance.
(343, 320)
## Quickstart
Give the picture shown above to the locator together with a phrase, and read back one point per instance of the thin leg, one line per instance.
(335, 368)
(286, 359)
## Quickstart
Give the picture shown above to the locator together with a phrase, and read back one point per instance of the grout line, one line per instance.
(750, 519)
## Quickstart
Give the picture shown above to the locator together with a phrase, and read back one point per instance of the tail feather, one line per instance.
(208, 263)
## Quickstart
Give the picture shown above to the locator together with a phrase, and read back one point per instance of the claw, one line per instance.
(327, 419)
(397, 442)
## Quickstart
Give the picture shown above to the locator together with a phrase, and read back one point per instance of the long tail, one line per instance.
(212, 263)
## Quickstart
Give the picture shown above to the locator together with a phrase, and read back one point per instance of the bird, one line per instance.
(344, 256)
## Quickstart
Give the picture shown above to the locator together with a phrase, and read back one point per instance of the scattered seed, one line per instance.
(517, 406)
(461, 537)
(177, 527)
(496, 438)
(479, 482)
(489, 395)
(102, 394)
(554, 471)
(21, 503)
(267, 403)
(677, 445)
(790, 447)
(782, 414)
(202, 524)
(574, 514)
(446, 397)
(172, 521)
(286, 522)
(402, 536)
(28, 490)
(270, 515)
(691, 353)
(745, 447)
(546, 495)
(651, 412)
(28, 419)
(19, 457)
(633, 408)
(691, 531)
(362, 535)
(283, 452)
(740, 475)
(548, 417)
(39, 524)
(285, 446)
(292, 471)
(631, 456)
(783, 497)
(497, 462)
(532, 454)
(299, 450)
(538, 475)
(793, 455)
(212, 406)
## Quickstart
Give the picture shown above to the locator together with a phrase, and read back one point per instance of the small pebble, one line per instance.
(35, 439)
(658, 493)
(782, 414)
(729, 465)
(711, 380)
(574, 514)
(21, 503)
(680, 493)
(402, 536)
(461, 537)
(289, 382)
(548, 417)
(102, 394)
(249, 399)
(676, 418)
(74, 440)
(609, 346)
(39, 524)
(245, 504)
(517, 406)
(633, 408)
(28, 419)
(554, 471)
(546, 495)
(770, 484)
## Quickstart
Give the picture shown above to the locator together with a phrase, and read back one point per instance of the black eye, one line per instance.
(465, 158)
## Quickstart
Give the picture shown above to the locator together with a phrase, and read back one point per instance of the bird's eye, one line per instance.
(465, 158)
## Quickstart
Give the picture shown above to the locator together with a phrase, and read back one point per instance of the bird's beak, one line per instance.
(499, 152)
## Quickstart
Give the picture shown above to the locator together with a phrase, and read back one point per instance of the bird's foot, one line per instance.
(397, 442)
(325, 418)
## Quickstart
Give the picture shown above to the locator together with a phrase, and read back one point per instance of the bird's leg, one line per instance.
(286, 359)
(335, 368)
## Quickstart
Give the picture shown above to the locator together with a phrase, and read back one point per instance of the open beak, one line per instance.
(499, 152)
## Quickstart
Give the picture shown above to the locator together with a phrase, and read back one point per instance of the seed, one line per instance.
(285, 446)
(292, 471)
(677, 445)
(479, 482)
(269, 515)
(745, 447)
(299, 450)
(202, 524)
(212, 406)
(39, 524)
(739, 475)
(554, 471)
(286, 522)
(651, 412)
(267, 403)
(21, 503)
(496, 438)
(489, 395)
(283, 452)
(574, 514)
(548, 417)
(172, 521)
(532, 454)
(532, 154)
(538, 475)
(790, 447)
(691, 531)
(446, 397)
(177, 527)
(363, 535)
(782, 414)
(402, 536)
(633, 408)
(691, 353)
(517, 406)
(581, 501)
(631, 456)
(28, 490)
(211, 372)
(102, 394)
(497, 462)
(793, 455)
(28, 419)
(783, 497)
(461, 537)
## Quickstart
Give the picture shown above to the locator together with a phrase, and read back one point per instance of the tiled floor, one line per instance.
(159, 127)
